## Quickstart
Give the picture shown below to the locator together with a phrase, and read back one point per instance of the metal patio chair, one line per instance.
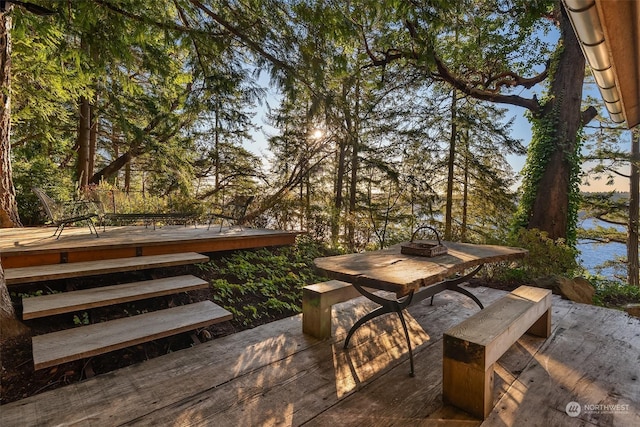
(61, 214)
(234, 211)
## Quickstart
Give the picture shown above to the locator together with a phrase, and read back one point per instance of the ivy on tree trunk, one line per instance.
(550, 190)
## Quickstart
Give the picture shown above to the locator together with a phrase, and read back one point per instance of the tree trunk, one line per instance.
(550, 210)
(307, 180)
(354, 130)
(127, 178)
(216, 147)
(93, 141)
(83, 142)
(113, 167)
(8, 207)
(301, 201)
(448, 216)
(337, 207)
(9, 325)
(633, 270)
(465, 190)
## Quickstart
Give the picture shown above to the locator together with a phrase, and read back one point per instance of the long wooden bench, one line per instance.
(66, 302)
(41, 273)
(317, 300)
(147, 218)
(87, 341)
(472, 347)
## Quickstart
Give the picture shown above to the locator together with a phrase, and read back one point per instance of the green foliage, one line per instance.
(82, 319)
(254, 284)
(174, 93)
(37, 293)
(543, 144)
(574, 159)
(612, 293)
(115, 201)
(546, 257)
(151, 94)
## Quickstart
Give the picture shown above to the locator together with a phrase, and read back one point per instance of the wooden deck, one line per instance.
(23, 247)
(275, 375)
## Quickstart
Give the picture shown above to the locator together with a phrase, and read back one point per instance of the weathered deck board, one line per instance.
(273, 374)
(592, 358)
(49, 305)
(86, 341)
(318, 375)
(42, 273)
(241, 354)
(23, 247)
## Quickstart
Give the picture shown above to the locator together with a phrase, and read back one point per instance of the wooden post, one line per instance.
(317, 300)
(468, 387)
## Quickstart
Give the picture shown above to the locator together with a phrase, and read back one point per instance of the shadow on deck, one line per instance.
(275, 375)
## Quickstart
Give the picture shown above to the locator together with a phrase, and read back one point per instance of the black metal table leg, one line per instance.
(364, 319)
(449, 285)
(406, 335)
(398, 305)
(454, 285)
(386, 306)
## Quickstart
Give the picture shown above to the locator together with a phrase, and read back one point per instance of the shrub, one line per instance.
(547, 257)
(262, 285)
(612, 293)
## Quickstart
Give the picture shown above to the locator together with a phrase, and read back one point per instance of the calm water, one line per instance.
(594, 254)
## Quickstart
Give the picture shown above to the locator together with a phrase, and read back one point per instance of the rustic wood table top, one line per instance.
(390, 270)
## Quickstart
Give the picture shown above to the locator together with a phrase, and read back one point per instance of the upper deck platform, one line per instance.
(30, 246)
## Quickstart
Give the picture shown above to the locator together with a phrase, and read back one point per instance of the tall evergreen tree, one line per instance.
(494, 65)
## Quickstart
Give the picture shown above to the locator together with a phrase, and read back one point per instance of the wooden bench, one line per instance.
(41, 273)
(66, 302)
(472, 347)
(317, 300)
(87, 341)
(108, 204)
(148, 218)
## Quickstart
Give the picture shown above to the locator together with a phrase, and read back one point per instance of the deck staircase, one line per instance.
(87, 341)
(40, 273)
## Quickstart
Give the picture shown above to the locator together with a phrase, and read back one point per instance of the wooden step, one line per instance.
(49, 305)
(87, 341)
(42, 273)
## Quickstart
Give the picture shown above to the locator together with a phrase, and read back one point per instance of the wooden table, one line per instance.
(412, 278)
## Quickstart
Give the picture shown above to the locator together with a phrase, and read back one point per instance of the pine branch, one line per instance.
(498, 81)
(589, 114)
(252, 44)
(165, 25)
(530, 104)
